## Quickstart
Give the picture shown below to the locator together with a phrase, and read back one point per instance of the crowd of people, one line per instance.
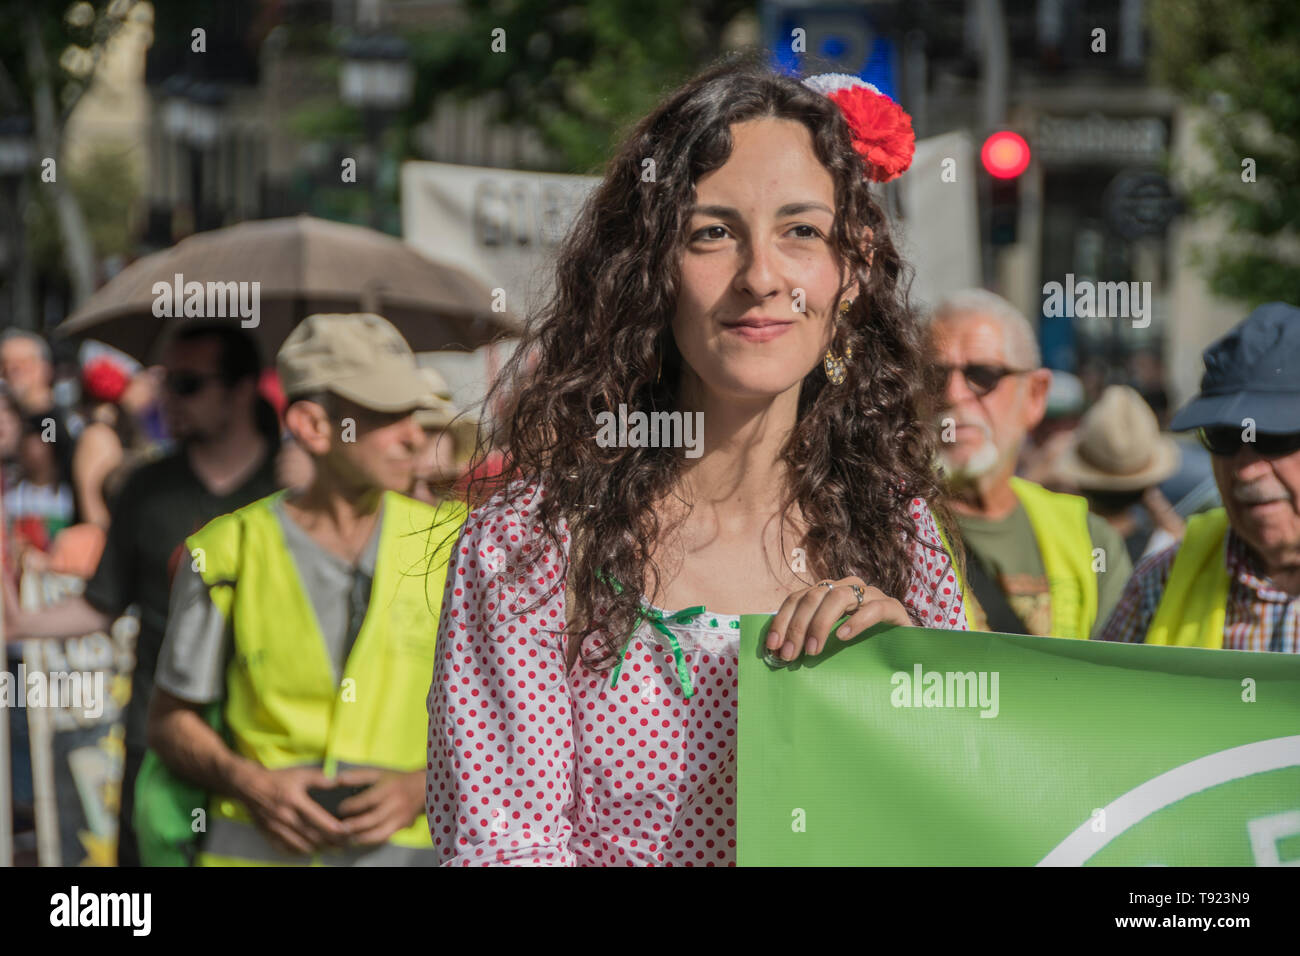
(204, 433)
(538, 663)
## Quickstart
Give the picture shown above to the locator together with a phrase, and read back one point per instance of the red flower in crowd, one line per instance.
(104, 380)
(881, 129)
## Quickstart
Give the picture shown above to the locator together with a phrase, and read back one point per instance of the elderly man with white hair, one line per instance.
(1036, 561)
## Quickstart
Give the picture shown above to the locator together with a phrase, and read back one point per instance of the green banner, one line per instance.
(909, 746)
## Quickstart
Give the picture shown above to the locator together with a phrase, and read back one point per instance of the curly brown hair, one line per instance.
(860, 451)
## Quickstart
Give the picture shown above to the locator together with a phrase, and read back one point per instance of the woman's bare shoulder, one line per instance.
(98, 438)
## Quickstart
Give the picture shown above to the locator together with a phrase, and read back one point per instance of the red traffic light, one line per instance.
(1005, 155)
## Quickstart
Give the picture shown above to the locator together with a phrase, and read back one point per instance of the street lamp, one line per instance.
(205, 110)
(15, 160)
(377, 73)
(15, 145)
(376, 79)
(192, 116)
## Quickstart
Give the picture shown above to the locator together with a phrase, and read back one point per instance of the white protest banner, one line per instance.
(501, 225)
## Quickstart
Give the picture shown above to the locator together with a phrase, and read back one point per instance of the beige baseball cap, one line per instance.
(360, 356)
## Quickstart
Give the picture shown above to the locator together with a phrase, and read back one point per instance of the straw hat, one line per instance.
(439, 412)
(1118, 446)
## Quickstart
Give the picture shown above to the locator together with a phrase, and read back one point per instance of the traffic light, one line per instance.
(1005, 156)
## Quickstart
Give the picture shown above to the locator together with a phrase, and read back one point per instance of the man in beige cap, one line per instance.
(1117, 459)
(310, 617)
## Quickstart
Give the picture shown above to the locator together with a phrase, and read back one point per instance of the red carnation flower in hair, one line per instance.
(881, 129)
(104, 380)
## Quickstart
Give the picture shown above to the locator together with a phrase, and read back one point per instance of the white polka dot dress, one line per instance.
(529, 765)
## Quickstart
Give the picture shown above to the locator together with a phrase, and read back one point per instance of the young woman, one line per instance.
(41, 502)
(733, 268)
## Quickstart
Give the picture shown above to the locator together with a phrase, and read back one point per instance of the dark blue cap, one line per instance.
(1252, 372)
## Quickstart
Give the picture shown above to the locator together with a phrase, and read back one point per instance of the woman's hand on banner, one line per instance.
(803, 623)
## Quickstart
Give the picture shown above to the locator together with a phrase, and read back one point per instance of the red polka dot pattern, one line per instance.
(934, 598)
(530, 766)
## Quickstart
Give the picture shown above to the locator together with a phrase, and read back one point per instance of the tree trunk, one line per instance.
(78, 250)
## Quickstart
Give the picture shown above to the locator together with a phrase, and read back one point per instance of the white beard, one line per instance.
(983, 461)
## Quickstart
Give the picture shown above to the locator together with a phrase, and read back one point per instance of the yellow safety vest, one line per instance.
(283, 705)
(1060, 524)
(1194, 606)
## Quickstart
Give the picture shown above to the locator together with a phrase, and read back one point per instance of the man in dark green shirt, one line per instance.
(1038, 562)
(1007, 549)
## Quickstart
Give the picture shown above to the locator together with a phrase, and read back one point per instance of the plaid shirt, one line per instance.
(1259, 617)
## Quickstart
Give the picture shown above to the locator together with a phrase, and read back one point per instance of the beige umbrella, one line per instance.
(301, 265)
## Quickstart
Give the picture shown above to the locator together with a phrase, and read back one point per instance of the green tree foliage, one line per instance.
(1241, 62)
(106, 188)
(49, 51)
(578, 73)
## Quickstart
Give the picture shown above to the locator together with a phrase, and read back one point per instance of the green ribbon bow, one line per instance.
(659, 621)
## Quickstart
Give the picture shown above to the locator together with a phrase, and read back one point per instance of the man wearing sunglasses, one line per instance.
(1234, 580)
(223, 432)
(1036, 561)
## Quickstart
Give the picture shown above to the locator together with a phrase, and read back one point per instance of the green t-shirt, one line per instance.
(1008, 552)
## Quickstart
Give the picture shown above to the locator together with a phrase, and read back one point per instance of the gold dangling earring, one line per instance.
(833, 364)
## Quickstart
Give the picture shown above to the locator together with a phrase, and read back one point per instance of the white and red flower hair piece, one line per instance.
(881, 129)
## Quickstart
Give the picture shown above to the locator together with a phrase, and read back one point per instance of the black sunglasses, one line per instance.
(980, 378)
(1226, 440)
(185, 384)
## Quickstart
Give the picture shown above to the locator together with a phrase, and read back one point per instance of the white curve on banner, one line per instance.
(1170, 787)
